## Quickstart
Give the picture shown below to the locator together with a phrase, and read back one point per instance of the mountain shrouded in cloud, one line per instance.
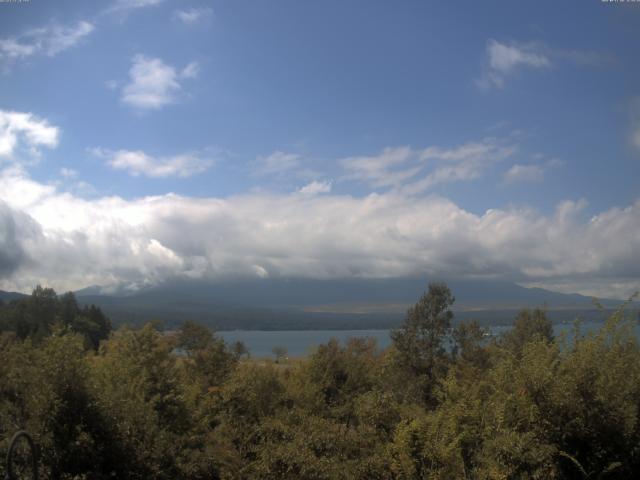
(70, 242)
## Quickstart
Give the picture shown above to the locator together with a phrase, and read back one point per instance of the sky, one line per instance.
(144, 140)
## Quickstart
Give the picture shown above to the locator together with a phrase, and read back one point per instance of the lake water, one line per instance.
(301, 342)
(297, 342)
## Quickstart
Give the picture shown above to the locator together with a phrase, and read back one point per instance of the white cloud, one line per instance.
(61, 38)
(468, 151)
(401, 167)
(524, 173)
(533, 172)
(49, 40)
(191, 70)
(462, 163)
(503, 59)
(68, 172)
(52, 236)
(12, 48)
(24, 132)
(125, 6)
(154, 84)
(137, 3)
(315, 188)
(191, 16)
(65, 241)
(276, 163)
(137, 162)
(380, 170)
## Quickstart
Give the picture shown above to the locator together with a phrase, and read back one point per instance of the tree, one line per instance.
(93, 324)
(420, 341)
(37, 314)
(68, 309)
(468, 344)
(194, 336)
(240, 349)
(209, 358)
(35, 317)
(280, 353)
(138, 385)
(529, 326)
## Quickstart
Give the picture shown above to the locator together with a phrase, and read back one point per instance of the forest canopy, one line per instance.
(441, 402)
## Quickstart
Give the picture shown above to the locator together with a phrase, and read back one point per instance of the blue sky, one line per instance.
(442, 115)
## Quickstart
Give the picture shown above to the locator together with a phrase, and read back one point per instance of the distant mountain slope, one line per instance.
(305, 303)
(8, 296)
(300, 293)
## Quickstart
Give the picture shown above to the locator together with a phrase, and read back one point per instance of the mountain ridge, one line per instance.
(292, 304)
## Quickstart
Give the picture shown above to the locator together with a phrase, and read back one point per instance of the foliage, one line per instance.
(529, 325)
(36, 316)
(439, 403)
(420, 341)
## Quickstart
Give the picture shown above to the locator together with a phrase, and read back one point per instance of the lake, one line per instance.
(301, 342)
(297, 342)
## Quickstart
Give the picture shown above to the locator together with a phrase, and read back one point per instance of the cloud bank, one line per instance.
(52, 236)
(56, 238)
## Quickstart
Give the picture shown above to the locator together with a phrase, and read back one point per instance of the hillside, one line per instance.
(292, 304)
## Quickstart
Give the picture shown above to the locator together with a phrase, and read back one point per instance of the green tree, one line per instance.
(138, 385)
(35, 316)
(469, 348)
(529, 326)
(93, 324)
(194, 336)
(420, 341)
(209, 359)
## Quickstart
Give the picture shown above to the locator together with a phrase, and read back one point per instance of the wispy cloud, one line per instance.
(49, 40)
(504, 59)
(316, 187)
(153, 84)
(191, 70)
(531, 172)
(67, 172)
(524, 173)
(191, 16)
(25, 132)
(137, 163)
(126, 6)
(403, 168)
(383, 170)
(277, 163)
(462, 163)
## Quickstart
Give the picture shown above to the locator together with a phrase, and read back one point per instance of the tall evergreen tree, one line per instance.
(420, 340)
